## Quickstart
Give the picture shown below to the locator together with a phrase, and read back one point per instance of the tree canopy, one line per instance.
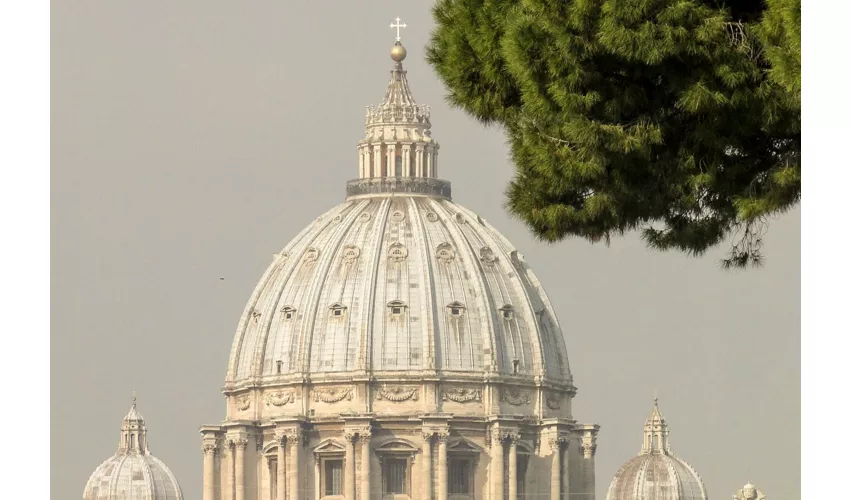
(676, 118)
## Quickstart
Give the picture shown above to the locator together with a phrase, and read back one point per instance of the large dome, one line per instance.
(132, 473)
(398, 283)
(398, 278)
(656, 473)
(399, 346)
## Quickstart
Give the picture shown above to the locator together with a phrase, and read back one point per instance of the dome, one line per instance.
(656, 473)
(132, 473)
(397, 278)
(398, 283)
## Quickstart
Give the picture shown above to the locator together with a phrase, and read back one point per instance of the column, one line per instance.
(280, 480)
(405, 160)
(555, 444)
(434, 173)
(376, 161)
(365, 459)
(442, 466)
(293, 441)
(497, 466)
(348, 480)
(512, 471)
(418, 154)
(426, 466)
(367, 162)
(317, 478)
(240, 445)
(209, 471)
(391, 168)
(360, 150)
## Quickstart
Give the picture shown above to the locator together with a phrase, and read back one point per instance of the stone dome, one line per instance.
(656, 473)
(397, 279)
(132, 473)
(398, 283)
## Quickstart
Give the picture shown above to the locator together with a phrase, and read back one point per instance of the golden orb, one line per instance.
(398, 52)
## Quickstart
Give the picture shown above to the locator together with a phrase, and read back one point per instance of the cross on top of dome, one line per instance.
(398, 25)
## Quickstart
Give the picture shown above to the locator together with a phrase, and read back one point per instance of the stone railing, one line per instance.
(376, 186)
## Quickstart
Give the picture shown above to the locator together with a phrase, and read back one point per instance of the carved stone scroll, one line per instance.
(515, 396)
(280, 398)
(333, 394)
(398, 394)
(462, 395)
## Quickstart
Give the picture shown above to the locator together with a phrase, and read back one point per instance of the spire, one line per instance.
(133, 432)
(655, 432)
(398, 151)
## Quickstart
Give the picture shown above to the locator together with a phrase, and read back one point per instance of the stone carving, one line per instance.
(333, 394)
(397, 216)
(280, 398)
(240, 444)
(553, 401)
(398, 394)
(337, 219)
(459, 219)
(255, 315)
(311, 255)
(350, 254)
(462, 395)
(364, 217)
(486, 255)
(515, 396)
(209, 449)
(442, 436)
(397, 252)
(243, 403)
(432, 217)
(445, 253)
(749, 492)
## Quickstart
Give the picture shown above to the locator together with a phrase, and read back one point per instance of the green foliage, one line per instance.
(678, 118)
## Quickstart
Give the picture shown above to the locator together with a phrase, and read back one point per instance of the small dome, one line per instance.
(656, 473)
(132, 473)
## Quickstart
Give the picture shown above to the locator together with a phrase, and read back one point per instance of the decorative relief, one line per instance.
(398, 394)
(311, 255)
(209, 449)
(486, 255)
(397, 252)
(255, 315)
(397, 216)
(515, 396)
(350, 253)
(280, 398)
(337, 219)
(462, 395)
(459, 219)
(445, 253)
(243, 403)
(553, 401)
(364, 217)
(333, 394)
(432, 217)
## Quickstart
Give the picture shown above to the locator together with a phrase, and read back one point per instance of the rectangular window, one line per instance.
(460, 476)
(333, 477)
(396, 476)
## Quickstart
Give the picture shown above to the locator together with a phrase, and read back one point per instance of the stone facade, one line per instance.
(399, 348)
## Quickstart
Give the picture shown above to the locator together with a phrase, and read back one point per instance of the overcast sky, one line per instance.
(192, 140)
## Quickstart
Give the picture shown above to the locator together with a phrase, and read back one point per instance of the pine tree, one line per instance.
(677, 118)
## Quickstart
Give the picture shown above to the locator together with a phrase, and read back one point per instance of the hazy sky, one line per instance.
(191, 140)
